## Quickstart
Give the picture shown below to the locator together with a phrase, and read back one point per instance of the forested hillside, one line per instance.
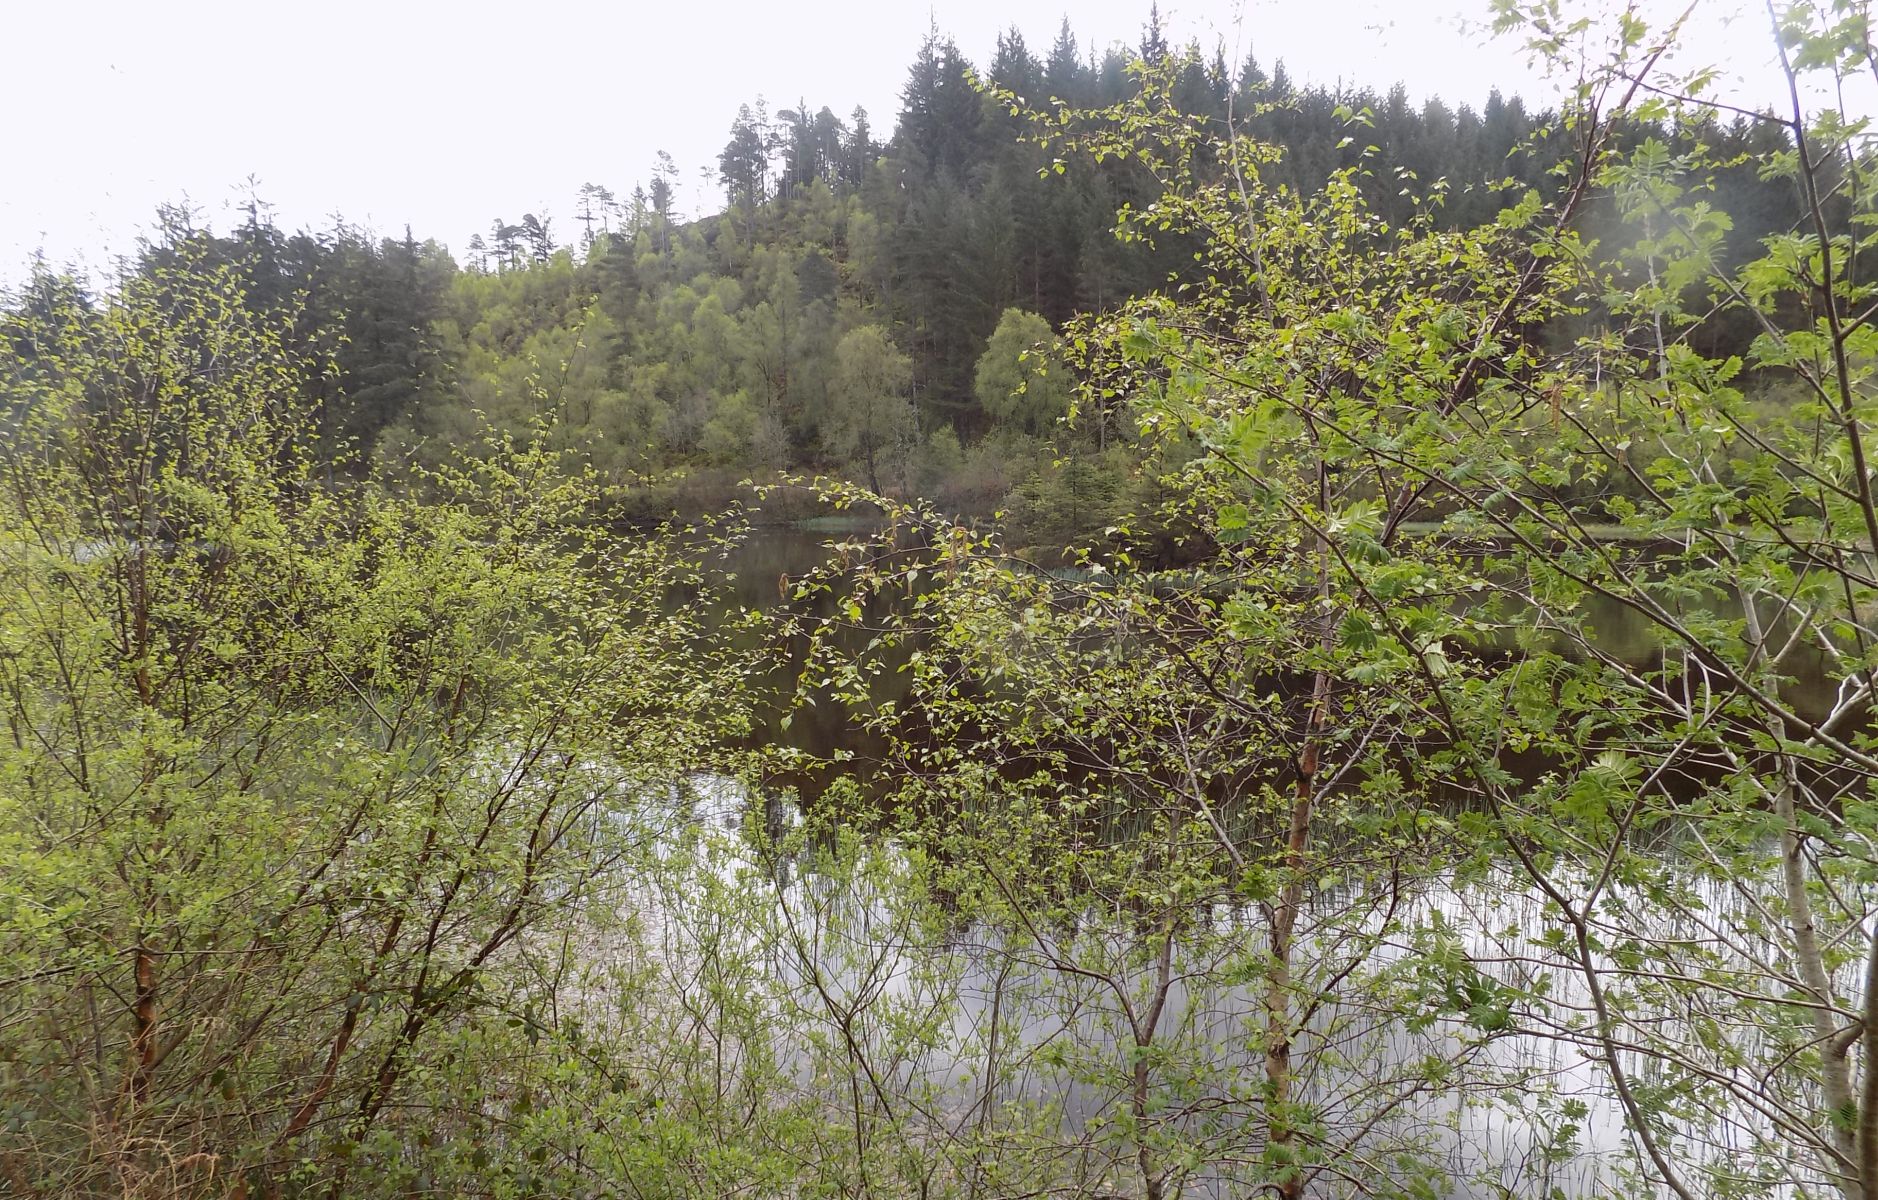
(882, 310)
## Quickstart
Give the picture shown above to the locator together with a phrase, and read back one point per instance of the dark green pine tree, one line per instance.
(743, 166)
(940, 112)
(1065, 76)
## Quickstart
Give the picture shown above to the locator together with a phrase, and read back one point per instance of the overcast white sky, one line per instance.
(448, 115)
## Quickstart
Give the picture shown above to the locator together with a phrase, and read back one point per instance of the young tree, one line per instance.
(1021, 379)
(872, 416)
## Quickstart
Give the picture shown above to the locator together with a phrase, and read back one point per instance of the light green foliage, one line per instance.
(1107, 785)
(871, 415)
(295, 779)
(1021, 380)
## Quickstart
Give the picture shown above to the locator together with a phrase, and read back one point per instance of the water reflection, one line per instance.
(994, 1041)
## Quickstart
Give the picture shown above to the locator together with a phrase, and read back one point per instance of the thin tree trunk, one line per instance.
(1278, 1017)
(143, 1042)
(1868, 1106)
(1835, 1073)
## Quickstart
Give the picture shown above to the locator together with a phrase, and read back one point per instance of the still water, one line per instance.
(988, 1040)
